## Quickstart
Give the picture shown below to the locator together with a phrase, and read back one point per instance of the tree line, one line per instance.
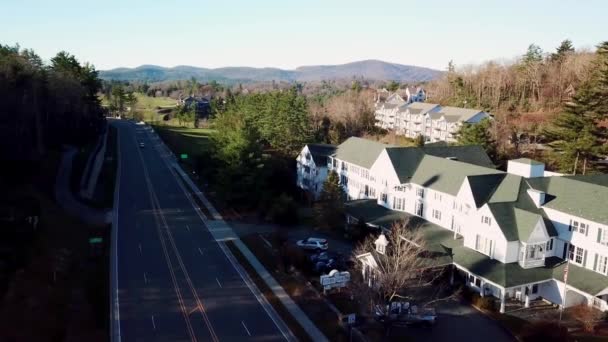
(557, 99)
(44, 106)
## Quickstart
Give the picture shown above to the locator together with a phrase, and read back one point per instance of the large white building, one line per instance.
(432, 121)
(509, 233)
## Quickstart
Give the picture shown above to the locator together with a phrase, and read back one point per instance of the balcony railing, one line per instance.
(529, 263)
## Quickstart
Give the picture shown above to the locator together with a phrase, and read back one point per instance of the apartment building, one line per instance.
(311, 166)
(432, 121)
(511, 235)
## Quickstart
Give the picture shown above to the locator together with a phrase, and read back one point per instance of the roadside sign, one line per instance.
(95, 240)
(184, 156)
(351, 318)
(334, 279)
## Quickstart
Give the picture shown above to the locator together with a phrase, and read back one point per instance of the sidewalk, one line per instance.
(221, 231)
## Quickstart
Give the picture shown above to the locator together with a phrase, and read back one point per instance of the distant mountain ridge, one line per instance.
(368, 69)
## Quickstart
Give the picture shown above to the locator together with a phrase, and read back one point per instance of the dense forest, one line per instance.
(558, 99)
(44, 106)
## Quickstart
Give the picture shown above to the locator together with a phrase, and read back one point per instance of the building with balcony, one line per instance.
(311, 166)
(511, 235)
(434, 122)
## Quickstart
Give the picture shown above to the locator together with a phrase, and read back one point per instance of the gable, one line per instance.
(358, 151)
(538, 234)
(383, 169)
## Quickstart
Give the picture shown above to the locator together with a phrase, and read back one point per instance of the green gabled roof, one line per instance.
(517, 224)
(471, 154)
(507, 190)
(361, 152)
(582, 196)
(372, 213)
(511, 274)
(405, 160)
(527, 161)
(484, 186)
(581, 278)
(446, 175)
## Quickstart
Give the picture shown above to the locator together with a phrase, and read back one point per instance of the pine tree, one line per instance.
(577, 134)
(478, 134)
(564, 48)
(329, 209)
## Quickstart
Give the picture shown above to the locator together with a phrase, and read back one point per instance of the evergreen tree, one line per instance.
(577, 134)
(329, 209)
(392, 86)
(564, 48)
(478, 134)
(419, 140)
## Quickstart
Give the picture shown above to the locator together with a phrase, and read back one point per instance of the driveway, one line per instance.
(457, 322)
(295, 233)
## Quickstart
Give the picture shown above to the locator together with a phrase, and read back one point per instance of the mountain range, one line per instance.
(368, 69)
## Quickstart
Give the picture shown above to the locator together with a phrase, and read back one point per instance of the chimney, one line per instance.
(525, 167)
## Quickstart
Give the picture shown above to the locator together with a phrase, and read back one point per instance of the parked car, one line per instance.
(324, 256)
(404, 314)
(311, 243)
(324, 267)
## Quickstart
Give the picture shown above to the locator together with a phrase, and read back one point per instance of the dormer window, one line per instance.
(381, 244)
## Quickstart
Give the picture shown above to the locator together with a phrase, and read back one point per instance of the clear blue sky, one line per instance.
(286, 34)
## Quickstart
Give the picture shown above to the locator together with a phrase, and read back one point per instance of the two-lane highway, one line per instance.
(174, 281)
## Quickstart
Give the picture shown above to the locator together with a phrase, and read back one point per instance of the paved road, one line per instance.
(174, 281)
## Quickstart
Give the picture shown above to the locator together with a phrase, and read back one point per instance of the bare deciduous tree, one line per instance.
(404, 265)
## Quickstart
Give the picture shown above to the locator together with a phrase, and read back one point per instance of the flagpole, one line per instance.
(566, 269)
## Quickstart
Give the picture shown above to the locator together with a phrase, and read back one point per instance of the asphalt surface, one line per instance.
(174, 281)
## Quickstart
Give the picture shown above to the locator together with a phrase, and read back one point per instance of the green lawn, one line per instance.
(148, 106)
(192, 141)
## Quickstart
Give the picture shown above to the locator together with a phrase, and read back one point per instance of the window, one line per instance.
(420, 192)
(372, 192)
(549, 245)
(335, 162)
(384, 198)
(578, 258)
(398, 203)
(486, 220)
(535, 288)
(436, 214)
(602, 236)
(419, 208)
(579, 227)
(602, 264)
(477, 282)
(343, 180)
(344, 166)
(330, 162)
(483, 244)
(306, 169)
(437, 196)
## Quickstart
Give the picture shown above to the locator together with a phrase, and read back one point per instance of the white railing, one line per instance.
(528, 263)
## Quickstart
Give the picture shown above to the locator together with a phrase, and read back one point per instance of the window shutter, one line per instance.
(587, 230)
(595, 262)
(599, 235)
(570, 226)
(550, 244)
(584, 258)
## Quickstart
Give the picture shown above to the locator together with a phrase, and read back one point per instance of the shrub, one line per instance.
(588, 316)
(484, 303)
(545, 331)
(284, 211)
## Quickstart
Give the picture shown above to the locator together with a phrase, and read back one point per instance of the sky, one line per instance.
(287, 34)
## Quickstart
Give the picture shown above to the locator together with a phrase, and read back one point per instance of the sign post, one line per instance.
(334, 279)
(183, 156)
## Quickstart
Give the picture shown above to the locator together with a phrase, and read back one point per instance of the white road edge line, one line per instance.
(233, 262)
(140, 249)
(218, 282)
(145, 278)
(244, 326)
(115, 305)
(153, 324)
(200, 251)
(188, 227)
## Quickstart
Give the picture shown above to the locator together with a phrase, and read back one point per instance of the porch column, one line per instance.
(527, 302)
(481, 288)
(502, 301)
